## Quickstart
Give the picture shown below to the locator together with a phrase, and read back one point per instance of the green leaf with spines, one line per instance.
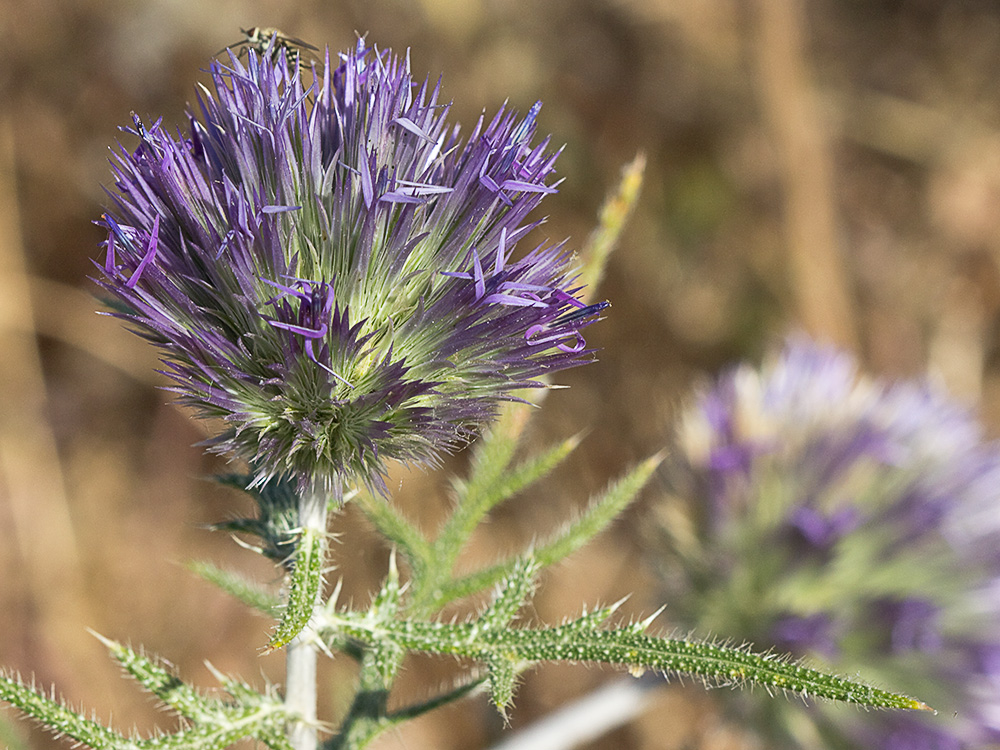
(443, 699)
(489, 491)
(262, 718)
(476, 495)
(580, 641)
(155, 677)
(202, 737)
(276, 525)
(254, 595)
(240, 691)
(589, 621)
(215, 722)
(248, 592)
(244, 694)
(599, 514)
(511, 595)
(383, 654)
(59, 718)
(387, 657)
(378, 720)
(275, 739)
(405, 536)
(385, 604)
(469, 584)
(611, 221)
(502, 668)
(306, 580)
(366, 718)
(490, 484)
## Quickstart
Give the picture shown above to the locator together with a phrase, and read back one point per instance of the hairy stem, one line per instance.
(301, 654)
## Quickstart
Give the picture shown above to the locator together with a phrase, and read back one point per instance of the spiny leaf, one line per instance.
(153, 675)
(386, 655)
(237, 586)
(486, 485)
(242, 693)
(277, 520)
(364, 725)
(530, 470)
(387, 519)
(715, 663)
(275, 739)
(467, 585)
(306, 581)
(419, 709)
(600, 513)
(58, 717)
(367, 715)
(200, 737)
(385, 605)
(589, 621)
(495, 449)
(581, 642)
(503, 676)
(614, 213)
(511, 595)
(387, 658)
(216, 725)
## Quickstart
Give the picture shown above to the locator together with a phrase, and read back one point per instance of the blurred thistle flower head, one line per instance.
(331, 270)
(830, 515)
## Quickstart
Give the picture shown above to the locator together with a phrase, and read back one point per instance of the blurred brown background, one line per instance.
(832, 165)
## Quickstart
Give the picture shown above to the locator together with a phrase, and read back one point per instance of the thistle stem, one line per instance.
(300, 696)
(301, 652)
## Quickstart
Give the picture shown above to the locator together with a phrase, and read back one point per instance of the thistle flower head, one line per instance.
(328, 268)
(827, 514)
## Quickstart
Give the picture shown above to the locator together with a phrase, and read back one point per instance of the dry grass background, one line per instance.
(832, 165)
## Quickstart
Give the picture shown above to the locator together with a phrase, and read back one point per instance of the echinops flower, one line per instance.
(849, 521)
(331, 270)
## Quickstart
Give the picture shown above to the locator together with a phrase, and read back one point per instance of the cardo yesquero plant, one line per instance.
(824, 513)
(331, 271)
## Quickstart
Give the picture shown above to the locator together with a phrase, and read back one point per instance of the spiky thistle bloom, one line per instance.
(826, 514)
(331, 270)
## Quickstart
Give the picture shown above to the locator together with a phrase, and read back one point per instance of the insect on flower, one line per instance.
(574, 342)
(268, 40)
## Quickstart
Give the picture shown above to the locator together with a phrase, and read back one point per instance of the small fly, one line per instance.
(261, 39)
(582, 311)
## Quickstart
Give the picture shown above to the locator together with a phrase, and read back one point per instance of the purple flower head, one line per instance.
(852, 521)
(328, 268)
(822, 531)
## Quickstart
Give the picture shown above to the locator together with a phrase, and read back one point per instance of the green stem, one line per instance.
(301, 654)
